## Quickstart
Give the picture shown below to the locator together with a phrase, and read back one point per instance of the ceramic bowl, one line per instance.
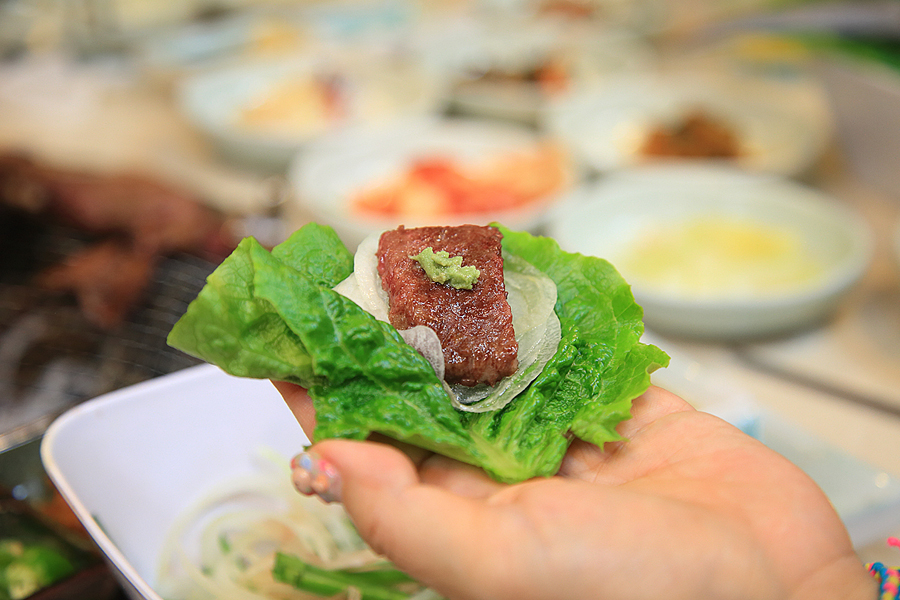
(774, 127)
(260, 114)
(327, 177)
(759, 255)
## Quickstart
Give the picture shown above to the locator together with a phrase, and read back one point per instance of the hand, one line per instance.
(688, 507)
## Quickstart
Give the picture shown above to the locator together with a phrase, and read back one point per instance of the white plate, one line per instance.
(335, 168)
(605, 127)
(130, 462)
(611, 218)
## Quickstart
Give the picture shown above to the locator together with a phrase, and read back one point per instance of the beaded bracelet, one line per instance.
(888, 578)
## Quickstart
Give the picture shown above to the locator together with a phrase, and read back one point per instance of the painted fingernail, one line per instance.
(313, 475)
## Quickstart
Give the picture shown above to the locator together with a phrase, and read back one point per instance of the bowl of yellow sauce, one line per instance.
(715, 252)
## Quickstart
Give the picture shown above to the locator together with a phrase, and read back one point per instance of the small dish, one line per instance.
(514, 70)
(329, 178)
(718, 253)
(262, 113)
(751, 124)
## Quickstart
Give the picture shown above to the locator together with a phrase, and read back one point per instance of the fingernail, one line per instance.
(313, 475)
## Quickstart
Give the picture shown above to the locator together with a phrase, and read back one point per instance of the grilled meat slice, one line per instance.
(474, 326)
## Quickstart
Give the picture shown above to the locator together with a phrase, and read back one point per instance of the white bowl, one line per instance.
(582, 58)
(781, 129)
(217, 101)
(612, 219)
(332, 171)
(130, 462)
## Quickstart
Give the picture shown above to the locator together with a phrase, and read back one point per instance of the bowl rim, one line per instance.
(842, 276)
(113, 554)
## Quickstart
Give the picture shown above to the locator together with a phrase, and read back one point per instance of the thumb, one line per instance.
(430, 532)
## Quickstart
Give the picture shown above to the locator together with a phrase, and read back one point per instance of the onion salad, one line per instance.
(248, 539)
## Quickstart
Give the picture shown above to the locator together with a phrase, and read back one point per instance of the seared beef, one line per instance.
(128, 224)
(474, 326)
(108, 278)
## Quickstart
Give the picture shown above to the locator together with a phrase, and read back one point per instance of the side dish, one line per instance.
(441, 186)
(696, 134)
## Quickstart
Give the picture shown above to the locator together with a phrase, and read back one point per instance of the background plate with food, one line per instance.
(262, 113)
(645, 118)
(714, 252)
(428, 171)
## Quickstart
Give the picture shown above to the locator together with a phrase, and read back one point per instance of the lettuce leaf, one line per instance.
(274, 315)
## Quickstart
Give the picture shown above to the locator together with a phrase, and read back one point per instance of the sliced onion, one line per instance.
(365, 267)
(426, 341)
(531, 296)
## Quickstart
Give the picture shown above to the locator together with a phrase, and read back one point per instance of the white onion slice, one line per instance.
(365, 267)
(531, 296)
(426, 341)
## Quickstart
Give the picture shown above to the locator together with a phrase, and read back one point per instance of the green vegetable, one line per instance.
(442, 268)
(274, 315)
(883, 51)
(383, 583)
(27, 568)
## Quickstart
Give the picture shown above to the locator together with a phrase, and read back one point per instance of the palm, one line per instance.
(683, 509)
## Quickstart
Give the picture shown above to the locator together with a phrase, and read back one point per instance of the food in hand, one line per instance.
(288, 315)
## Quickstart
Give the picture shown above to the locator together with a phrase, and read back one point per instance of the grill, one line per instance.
(51, 356)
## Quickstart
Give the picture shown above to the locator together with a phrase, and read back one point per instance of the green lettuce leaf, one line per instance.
(274, 315)
(587, 388)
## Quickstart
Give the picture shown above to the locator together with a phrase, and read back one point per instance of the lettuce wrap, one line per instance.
(275, 315)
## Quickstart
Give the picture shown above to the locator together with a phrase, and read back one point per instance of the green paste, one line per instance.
(442, 268)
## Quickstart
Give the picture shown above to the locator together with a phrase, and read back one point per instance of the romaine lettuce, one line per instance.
(275, 315)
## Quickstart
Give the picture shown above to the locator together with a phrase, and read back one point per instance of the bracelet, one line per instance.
(888, 577)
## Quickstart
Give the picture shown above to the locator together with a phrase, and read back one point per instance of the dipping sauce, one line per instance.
(720, 257)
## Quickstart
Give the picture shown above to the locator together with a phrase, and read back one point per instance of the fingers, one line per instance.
(457, 478)
(300, 404)
(453, 476)
(603, 465)
(413, 516)
(650, 407)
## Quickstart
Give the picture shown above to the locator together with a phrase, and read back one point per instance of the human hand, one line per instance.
(688, 507)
